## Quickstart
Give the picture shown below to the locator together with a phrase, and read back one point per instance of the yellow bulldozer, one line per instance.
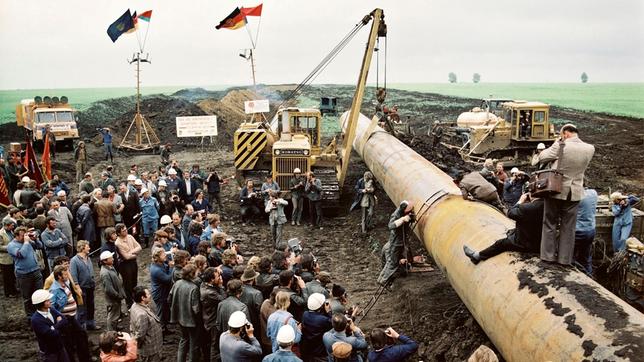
(501, 129)
(293, 137)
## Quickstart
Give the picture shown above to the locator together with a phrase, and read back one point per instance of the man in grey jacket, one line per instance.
(234, 347)
(82, 270)
(313, 190)
(113, 288)
(145, 326)
(211, 294)
(185, 310)
(230, 305)
(55, 241)
(562, 208)
(276, 217)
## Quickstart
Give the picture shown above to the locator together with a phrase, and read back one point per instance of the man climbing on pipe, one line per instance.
(394, 253)
(475, 187)
(525, 237)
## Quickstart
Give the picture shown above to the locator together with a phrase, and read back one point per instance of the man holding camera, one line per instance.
(213, 184)
(344, 330)
(296, 185)
(525, 237)
(248, 202)
(313, 189)
(276, 217)
(513, 187)
(238, 343)
(385, 348)
(107, 143)
(394, 251)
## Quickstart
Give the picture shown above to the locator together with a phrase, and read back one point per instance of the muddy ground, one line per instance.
(422, 305)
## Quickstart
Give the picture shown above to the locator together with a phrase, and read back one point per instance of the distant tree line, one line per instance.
(476, 77)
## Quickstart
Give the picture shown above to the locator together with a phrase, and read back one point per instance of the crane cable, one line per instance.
(322, 65)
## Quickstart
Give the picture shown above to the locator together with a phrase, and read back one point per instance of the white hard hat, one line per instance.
(162, 183)
(541, 146)
(514, 170)
(237, 319)
(172, 171)
(40, 296)
(315, 301)
(165, 220)
(25, 179)
(615, 196)
(61, 193)
(144, 190)
(138, 182)
(131, 178)
(106, 255)
(285, 334)
(297, 170)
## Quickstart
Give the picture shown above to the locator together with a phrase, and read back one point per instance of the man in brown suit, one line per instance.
(105, 211)
(563, 206)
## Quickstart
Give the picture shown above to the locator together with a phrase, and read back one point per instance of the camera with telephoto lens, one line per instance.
(412, 216)
(120, 345)
(295, 246)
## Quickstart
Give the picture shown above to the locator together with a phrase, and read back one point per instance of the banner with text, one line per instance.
(197, 126)
(256, 106)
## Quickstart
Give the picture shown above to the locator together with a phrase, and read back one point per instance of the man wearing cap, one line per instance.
(394, 251)
(172, 180)
(87, 184)
(150, 215)
(48, 325)
(251, 296)
(163, 196)
(622, 209)
(561, 209)
(80, 156)
(296, 186)
(232, 344)
(341, 351)
(513, 187)
(6, 263)
(535, 158)
(338, 334)
(54, 239)
(113, 288)
(107, 143)
(285, 338)
(185, 309)
(315, 322)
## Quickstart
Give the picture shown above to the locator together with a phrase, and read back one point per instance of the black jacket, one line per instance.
(529, 221)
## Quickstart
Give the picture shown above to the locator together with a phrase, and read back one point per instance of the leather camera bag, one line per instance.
(546, 183)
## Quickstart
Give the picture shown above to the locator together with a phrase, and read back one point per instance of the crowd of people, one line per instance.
(277, 307)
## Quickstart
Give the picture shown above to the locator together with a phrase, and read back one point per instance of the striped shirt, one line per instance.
(70, 307)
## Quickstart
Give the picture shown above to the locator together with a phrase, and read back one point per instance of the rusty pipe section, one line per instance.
(530, 311)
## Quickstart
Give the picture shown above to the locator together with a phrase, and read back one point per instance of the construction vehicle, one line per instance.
(293, 137)
(328, 105)
(38, 113)
(501, 129)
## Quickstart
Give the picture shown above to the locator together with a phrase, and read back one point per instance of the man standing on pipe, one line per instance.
(561, 208)
(526, 237)
(393, 252)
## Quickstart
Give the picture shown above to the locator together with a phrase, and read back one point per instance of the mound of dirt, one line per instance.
(229, 111)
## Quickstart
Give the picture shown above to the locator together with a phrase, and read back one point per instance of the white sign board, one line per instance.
(197, 126)
(256, 106)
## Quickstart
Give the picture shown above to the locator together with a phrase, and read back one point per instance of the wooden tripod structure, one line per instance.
(143, 137)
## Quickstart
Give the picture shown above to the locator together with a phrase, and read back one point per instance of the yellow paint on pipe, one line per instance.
(530, 311)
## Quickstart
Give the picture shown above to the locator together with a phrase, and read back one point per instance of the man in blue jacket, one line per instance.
(54, 240)
(315, 322)
(385, 348)
(623, 223)
(107, 143)
(47, 323)
(339, 334)
(28, 275)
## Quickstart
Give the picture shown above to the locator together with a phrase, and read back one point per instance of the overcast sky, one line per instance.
(64, 44)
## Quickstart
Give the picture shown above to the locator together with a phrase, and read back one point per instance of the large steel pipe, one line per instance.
(530, 311)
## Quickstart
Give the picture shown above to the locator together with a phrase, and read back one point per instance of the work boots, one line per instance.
(473, 255)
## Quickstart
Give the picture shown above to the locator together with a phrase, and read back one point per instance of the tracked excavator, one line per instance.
(293, 137)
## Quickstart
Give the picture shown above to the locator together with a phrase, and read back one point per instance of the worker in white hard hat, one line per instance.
(621, 207)
(172, 181)
(48, 324)
(315, 322)
(231, 344)
(296, 186)
(513, 187)
(535, 158)
(285, 338)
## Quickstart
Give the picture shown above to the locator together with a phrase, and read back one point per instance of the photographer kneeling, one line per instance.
(117, 347)
(526, 237)
(393, 252)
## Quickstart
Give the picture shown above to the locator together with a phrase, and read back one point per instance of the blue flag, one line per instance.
(120, 26)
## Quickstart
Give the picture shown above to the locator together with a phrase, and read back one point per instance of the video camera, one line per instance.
(295, 246)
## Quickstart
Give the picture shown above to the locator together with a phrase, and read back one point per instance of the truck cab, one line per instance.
(528, 121)
(38, 113)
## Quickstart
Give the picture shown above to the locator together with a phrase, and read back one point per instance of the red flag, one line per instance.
(255, 11)
(146, 15)
(4, 193)
(31, 164)
(46, 160)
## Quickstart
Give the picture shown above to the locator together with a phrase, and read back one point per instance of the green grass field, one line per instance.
(624, 99)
